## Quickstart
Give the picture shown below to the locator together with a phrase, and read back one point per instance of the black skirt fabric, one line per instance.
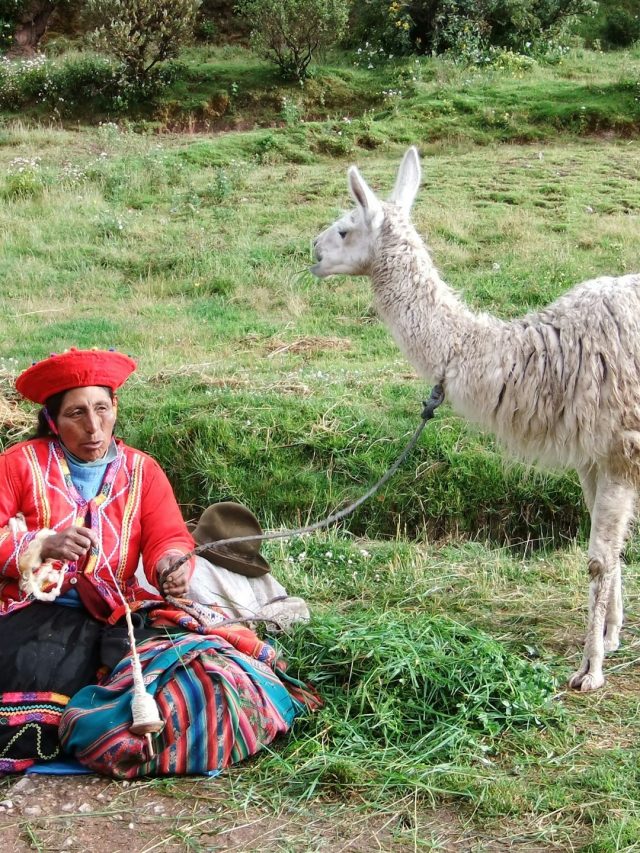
(47, 653)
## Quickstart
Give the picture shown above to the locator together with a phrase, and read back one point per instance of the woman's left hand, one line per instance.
(177, 583)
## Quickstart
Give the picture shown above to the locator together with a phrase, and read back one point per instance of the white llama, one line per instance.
(560, 386)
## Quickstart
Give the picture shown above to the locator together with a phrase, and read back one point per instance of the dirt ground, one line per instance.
(97, 815)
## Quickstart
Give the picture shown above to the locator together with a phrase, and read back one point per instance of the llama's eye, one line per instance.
(342, 234)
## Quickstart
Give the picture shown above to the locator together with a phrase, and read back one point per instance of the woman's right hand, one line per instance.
(69, 544)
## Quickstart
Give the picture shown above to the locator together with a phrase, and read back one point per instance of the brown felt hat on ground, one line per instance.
(227, 520)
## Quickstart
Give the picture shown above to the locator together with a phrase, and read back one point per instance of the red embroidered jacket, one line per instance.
(135, 514)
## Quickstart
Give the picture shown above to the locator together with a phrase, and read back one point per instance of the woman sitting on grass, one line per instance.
(78, 509)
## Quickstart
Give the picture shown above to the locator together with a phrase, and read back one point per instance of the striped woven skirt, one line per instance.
(223, 697)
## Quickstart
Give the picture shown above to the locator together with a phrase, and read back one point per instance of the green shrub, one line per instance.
(24, 81)
(466, 28)
(289, 32)
(10, 10)
(6, 33)
(71, 83)
(621, 28)
(616, 24)
(381, 24)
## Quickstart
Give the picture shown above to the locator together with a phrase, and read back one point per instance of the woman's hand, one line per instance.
(176, 583)
(69, 544)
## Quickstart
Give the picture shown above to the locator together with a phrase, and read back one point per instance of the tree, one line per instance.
(289, 32)
(23, 24)
(142, 33)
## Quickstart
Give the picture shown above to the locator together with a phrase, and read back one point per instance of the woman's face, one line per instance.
(85, 422)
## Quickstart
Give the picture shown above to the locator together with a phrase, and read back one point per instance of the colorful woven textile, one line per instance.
(220, 705)
(28, 724)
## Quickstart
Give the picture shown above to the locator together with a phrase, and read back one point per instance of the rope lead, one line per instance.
(429, 407)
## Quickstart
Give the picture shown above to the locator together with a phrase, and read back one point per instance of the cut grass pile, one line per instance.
(406, 696)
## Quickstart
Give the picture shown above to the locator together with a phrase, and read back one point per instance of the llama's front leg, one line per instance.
(589, 480)
(612, 511)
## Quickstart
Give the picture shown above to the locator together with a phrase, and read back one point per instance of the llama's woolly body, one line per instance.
(559, 386)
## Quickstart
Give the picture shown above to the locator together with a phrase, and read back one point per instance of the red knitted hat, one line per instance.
(75, 368)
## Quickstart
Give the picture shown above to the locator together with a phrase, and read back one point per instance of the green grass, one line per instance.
(199, 267)
(258, 383)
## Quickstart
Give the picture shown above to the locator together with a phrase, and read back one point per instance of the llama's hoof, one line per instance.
(611, 644)
(591, 682)
(611, 638)
(586, 681)
(575, 682)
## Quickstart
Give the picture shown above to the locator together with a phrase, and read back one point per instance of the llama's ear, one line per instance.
(365, 198)
(408, 180)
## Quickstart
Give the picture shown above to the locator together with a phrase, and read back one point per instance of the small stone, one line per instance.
(84, 808)
(22, 784)
(132, 826)
(7, 804)
(33, 811)
(68, 842)
(68, 807)
(159, 809)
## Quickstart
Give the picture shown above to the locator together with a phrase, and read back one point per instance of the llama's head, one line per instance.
(348, 245)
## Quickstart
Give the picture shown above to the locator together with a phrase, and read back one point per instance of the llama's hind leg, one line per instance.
(613, 621)
(613, 509)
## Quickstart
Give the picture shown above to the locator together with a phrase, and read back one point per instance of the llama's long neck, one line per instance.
(430, 323)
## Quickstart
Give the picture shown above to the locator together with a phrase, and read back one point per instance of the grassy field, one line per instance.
(450, 609)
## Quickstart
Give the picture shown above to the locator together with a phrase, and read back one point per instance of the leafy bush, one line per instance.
(289, 32)
(11, 13)
(521, 25)
(6, 32)
(69, 84)
(616, 24)
(387, 24)
(621, 28)
(464, 27)
(142, 33)
(23, 81)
